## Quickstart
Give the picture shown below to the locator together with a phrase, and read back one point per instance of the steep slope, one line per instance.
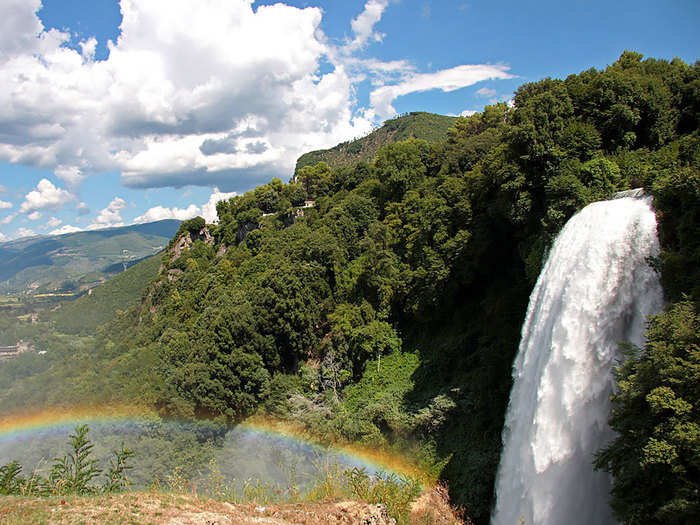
(417, 124)
(121, 292)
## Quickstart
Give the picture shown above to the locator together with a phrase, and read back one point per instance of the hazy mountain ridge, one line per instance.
(71, 261)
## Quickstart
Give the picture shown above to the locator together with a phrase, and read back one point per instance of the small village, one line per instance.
(10, 352)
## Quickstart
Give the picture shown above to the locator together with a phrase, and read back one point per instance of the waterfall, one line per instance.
(595, 290)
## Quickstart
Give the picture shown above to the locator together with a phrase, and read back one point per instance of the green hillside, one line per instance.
(417, 124)
(73, 261)
(121, 292)
(388, 313)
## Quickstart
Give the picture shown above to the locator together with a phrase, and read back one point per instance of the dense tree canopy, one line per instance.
(656, 456)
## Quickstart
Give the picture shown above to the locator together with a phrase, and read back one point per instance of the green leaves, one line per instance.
(656, 456)
(10, 480)
(401, 166)
(70, 474)
(116, 476)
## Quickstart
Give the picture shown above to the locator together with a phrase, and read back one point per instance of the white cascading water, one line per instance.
(595, 290)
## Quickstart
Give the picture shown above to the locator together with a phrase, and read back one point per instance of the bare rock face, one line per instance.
(205, 236)
(183, 243)
(186, 241)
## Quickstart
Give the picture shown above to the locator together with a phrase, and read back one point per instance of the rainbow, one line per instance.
(374, 459)
(22, 425)
(62, 420)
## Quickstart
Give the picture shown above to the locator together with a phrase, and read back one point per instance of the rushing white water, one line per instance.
(595, 290)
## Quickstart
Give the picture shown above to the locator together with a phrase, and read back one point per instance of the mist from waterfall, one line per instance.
(595, 291)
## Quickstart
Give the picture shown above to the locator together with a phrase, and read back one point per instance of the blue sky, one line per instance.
(114, 113)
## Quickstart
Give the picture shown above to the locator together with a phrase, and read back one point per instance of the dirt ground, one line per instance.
(169, 509)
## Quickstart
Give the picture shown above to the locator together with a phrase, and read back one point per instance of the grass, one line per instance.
(120, 292)
(330, 482)
(347, 493)
(179, 495)
(127, 508)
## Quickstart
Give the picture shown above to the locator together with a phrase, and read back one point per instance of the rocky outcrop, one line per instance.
(173, 274)
(244, 230)
(182, 244)
(205, 235)
(186, 241)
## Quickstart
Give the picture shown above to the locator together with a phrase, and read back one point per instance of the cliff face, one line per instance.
(187, 239)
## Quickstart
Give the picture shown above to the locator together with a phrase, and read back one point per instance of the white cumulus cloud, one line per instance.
(222, 93)
(111, 215)
(363, 25)
(67, 228)
(24, 232)
(34, 216)
(53, 222)
(209, 207)
(45, 196)
(206, 210)
(7, 220)
(180, 73)
(4, 205)
(486, 92)
(159, 213)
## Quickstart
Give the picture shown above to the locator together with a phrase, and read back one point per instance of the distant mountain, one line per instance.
(74, 261)
(417, 124)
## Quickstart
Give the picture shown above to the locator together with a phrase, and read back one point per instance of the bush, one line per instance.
(655, 459)
(71, 474)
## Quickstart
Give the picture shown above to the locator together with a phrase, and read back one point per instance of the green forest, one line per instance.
(387, 311)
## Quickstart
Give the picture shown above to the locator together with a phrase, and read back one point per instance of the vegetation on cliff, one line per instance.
(417, 124)
(388, 310)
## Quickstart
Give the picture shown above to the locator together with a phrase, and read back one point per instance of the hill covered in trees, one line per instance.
(121, 292)
(417, 124)
(389, 312)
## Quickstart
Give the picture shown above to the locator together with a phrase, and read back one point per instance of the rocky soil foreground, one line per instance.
(157, 508)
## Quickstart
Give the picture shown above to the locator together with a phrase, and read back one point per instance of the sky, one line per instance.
(115, 112)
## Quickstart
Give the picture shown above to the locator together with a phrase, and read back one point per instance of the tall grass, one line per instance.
(329, 481)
